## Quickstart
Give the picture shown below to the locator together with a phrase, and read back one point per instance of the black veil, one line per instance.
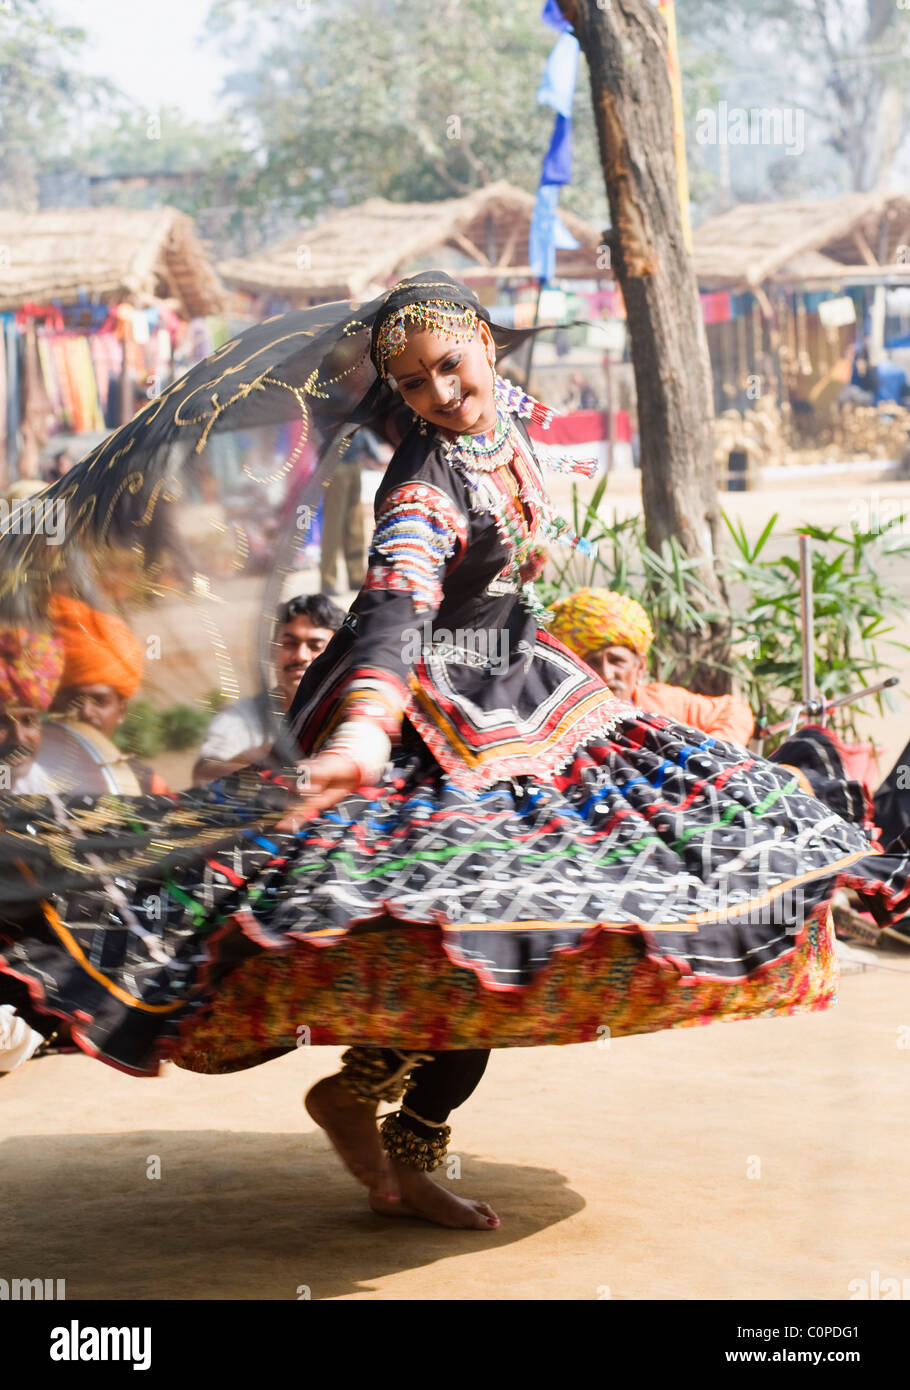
(192, 520)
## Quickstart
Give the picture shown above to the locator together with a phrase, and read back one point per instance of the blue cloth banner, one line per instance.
(557, 89)
(563, 239)
(557, 165)
(542, 237)
(557, 86)
(554, 16)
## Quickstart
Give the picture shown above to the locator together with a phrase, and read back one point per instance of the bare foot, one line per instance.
(421, 1196)
(350, 1123)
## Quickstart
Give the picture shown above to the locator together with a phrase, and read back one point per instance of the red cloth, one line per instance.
(860, 760)
(716, 307)
(610, 300)
(583, 427)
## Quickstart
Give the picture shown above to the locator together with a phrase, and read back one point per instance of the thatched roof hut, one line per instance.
(859, 238)
(105, 254)
(357, 251)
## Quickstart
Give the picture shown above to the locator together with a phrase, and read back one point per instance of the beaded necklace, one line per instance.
(478, 456)
(493, 448)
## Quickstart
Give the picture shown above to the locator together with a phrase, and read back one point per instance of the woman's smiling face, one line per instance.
(448, 383)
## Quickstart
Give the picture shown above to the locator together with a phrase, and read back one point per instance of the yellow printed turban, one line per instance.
(595, 618)
(31, 664)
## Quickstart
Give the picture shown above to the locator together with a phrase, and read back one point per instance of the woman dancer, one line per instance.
(465, 778)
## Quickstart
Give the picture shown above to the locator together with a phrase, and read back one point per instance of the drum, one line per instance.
(80, 759)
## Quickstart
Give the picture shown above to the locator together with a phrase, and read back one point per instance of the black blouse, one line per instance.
(444, 634)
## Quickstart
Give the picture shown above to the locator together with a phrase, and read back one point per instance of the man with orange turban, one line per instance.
(102, 671)
(613, 635)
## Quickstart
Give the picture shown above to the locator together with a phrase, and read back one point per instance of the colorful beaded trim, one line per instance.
(478, 456)
(484, 452)
(442, 316)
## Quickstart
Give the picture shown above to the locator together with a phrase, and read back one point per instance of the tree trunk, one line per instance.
(625, 44)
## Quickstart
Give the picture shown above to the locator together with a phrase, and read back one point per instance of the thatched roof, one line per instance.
(105, 254)
(815, 241)
(356, 251)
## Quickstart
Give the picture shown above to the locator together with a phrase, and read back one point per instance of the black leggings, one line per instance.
(438, 1085)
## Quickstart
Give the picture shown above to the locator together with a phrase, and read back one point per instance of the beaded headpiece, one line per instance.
(443, 316)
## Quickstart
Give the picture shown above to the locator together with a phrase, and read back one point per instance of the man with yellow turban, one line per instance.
(613, 635)
(102, 671)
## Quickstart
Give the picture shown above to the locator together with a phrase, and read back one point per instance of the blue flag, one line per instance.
(557, 86)
(542, 236)
(557, 89)
(557, 165)
(554, 16)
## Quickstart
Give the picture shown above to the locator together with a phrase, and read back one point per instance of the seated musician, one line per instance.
(613, 635)
(102, 672)
(31, 664)
(30, 667)
(244, 731)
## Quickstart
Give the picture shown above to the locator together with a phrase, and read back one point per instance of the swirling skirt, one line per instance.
(665, 879)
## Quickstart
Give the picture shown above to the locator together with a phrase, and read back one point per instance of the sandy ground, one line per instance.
(621, 1172)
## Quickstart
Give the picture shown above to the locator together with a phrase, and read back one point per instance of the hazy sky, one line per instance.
(155, 50)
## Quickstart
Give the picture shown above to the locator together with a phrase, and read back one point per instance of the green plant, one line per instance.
(666, 581)
(147, 730)
(140, 735)
(182, 726)
(855, 600)
(852, 605)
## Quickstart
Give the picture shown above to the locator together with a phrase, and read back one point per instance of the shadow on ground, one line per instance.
(233, 1215)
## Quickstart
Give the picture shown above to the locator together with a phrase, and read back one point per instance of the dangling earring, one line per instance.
(422, 427)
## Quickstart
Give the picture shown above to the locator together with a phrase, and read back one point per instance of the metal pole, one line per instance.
(807, 618)
(608, 372)
(540, 285)
(126, 386)
(766, 730)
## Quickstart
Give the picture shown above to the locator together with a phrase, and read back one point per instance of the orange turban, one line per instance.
(595, 618)
(30, 667)
(99, 648)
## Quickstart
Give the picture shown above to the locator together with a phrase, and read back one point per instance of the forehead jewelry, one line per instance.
(458, 321)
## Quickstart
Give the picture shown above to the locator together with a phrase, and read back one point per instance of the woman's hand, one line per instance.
(322, 782)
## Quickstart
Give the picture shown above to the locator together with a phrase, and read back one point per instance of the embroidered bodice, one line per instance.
(504, 476)
(446, 635)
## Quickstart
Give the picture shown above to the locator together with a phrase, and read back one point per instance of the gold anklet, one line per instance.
(365, 1073)
(409, 1148)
